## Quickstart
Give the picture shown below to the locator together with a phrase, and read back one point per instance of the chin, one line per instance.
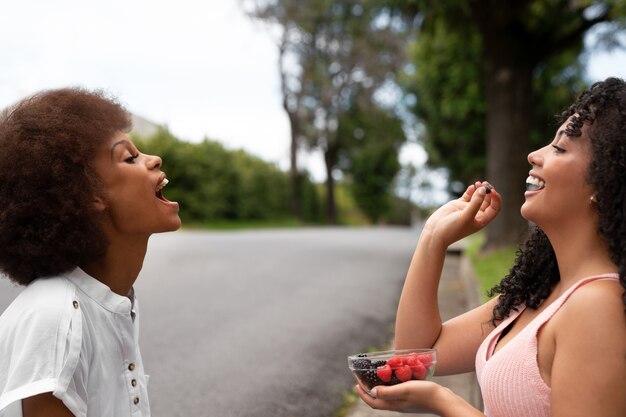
(170, 226)
(527, 214)
(174, 226)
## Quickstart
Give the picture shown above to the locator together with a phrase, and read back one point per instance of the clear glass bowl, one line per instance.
(391, 367)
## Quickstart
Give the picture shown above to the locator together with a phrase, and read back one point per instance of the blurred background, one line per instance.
(296, 114)
(323, 112)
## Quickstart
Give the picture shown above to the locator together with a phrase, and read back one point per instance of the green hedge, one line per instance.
(218, 187)
(214, 184)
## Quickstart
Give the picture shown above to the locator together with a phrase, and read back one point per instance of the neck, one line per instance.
(580, 252)
(119, 267)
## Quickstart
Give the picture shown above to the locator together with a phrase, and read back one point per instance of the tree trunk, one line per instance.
(508, 67)
(296, 191)
(331, 206)
(509, 95)
(294, 125)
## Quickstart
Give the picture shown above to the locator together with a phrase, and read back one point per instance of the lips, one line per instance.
(534, 184)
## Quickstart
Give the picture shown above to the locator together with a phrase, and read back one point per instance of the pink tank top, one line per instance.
(510, 381)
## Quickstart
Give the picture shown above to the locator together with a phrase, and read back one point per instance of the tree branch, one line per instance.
(572, 38)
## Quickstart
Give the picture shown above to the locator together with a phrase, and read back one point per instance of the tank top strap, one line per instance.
(546, 314)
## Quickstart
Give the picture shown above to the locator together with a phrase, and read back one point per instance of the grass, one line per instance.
(489, 267)
(349, 400)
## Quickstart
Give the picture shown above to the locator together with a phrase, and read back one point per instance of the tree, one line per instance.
(372, 162)
(339, 54)
(522, 50)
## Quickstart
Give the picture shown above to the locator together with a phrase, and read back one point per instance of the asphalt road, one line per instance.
(259, 323)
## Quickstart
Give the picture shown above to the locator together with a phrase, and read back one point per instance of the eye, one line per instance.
(558, 149)
(131, 159)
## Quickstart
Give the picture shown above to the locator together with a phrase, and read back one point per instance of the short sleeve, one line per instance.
(40, 346)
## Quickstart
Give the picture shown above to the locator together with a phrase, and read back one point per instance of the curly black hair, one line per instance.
(535, 272)
(47, 183)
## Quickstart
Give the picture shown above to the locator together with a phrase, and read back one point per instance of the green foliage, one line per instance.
(401, 211)
(448, 85)
(489, 267)
(334, 56)
(349, 400)
(214, 185)
(349, 212)
(449, 63)
(555, 86)
(372, 138)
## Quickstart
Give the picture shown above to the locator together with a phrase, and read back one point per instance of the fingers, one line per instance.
(493, 201)
(374, 401)
(483, 203)
(477, 197)
(411, 396)
(467, 195)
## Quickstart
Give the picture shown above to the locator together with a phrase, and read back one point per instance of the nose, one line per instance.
(533, 157)
(154, 162)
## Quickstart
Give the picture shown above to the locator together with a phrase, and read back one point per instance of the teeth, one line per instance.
(162, 184)
(533, 184)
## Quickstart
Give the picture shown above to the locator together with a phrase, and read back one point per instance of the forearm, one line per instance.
(418, 322)
(449, 404)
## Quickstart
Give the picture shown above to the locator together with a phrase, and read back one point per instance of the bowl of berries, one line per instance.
(391, 367)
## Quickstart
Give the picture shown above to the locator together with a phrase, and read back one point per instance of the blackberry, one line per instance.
(368, 378)
(379, 363)
(394, 380)
(362, 355)
(362, 364)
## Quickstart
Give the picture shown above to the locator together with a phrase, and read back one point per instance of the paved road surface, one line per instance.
(259, 323)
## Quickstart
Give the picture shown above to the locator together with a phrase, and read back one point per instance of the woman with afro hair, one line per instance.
(78, 203)
(553, 341)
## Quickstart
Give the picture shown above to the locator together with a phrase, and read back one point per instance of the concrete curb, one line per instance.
(458, 293)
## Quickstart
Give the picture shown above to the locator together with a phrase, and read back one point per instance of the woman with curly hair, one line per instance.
(553, 342)
(78, 203)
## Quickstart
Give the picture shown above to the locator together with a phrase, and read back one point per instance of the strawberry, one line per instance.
(384, 373)
(403, 373)
(395, 362)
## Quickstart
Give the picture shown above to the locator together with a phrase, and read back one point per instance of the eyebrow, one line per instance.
(119, 142)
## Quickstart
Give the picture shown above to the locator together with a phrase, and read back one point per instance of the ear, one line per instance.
(99, 204)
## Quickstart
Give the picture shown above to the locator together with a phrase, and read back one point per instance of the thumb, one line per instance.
(469, 212)
(380, 392)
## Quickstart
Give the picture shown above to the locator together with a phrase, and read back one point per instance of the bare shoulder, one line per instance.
(601, 296)
(596, 307)
(590, 340)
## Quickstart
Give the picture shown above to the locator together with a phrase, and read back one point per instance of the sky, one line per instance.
(200, 67)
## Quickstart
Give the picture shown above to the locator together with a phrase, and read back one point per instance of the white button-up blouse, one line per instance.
(72, 336)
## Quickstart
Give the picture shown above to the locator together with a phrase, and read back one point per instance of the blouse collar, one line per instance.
(101, 293)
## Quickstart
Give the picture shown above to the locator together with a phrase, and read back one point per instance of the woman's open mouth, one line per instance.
(159, 190)
(534, 184)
